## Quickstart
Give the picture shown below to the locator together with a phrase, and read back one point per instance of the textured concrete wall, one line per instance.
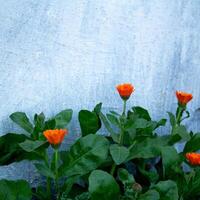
(57, 54)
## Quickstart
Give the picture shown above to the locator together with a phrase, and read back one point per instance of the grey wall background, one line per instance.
(57, 54)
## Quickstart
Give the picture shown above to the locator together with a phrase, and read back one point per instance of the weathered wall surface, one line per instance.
(71, 53)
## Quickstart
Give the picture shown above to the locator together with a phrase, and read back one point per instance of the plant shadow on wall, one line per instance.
(131, 163)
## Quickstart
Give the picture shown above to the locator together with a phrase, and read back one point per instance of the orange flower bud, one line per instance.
(55, 137)
(183, 97)
(193, 158)
(125, 90)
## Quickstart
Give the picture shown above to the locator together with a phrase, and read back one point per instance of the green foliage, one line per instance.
(14, 190)
(128, 182)
(17, 147)
(89, 122)
(22, 120)
(44, 170)
(83, 196)
(150, 195)
(193, 144)
(141, 113)
(34, 130)
(167, 189)
(41, 193)
(39, 121)
(86, 154)
(49, 124)
(112, 132)
(30, 145)
(10, 150)
(102, 186)
(172, 119)
(182, 132)
(125, 177)
(119, 153)
(148, 147)
(171, 160)
(63, 118)
(192, 186)
(132, 162)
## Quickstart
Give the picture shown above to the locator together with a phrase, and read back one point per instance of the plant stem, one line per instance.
(48, 179)
(179, 114)
(56, 170)
(121, 137)
(124, 108)
(112, 171)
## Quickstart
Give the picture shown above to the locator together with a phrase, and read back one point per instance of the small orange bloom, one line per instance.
(183, 97)
(193, 158)
(125, 90)
(55, 136)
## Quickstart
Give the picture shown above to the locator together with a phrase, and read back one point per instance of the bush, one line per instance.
(132, 162)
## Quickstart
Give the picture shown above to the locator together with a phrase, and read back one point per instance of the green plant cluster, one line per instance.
(132, 162)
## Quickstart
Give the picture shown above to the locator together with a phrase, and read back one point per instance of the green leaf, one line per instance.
(170, 159)
(30, 145)
(125, 177)
(152, 176)
(141, 112)
(115, 113)
(168, 190)
(39, 125)
(162, 122)
(63, 118)
(50, 124)
(129, 136)
(114, 135)
(141, 123)
(102, 186)
(41, 193)
(119, 153)
(89, 122)
(68, 185)
(147, 148)
(179, 131)
(10, 150)
(97, 108)
(150, 195)
(15, 190)
(86, 154)
(193, 186)
(44, 170)
(172, 119)
(174, 139)
(22, 120)
(39, 119)
(193, 144)
(144, 128)
(113, 119)
(130, 187)
(83, 196)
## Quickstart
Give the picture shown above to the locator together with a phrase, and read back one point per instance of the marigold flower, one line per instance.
(193, 158)
(125, 90)
(55, 137)
(183, 97)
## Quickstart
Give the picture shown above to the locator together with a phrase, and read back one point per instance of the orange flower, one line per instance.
(125, 90)
(193, 158)
(55, 136)
(183, 97)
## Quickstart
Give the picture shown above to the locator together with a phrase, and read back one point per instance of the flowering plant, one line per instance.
(130, 162)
